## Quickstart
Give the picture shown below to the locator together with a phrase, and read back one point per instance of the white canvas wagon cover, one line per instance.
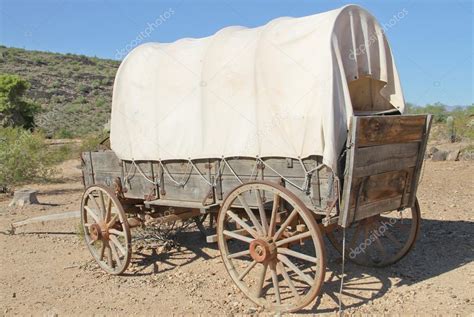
(277, 90)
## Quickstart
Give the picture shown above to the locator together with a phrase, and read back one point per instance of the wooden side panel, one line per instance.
(377, 130)
(382, 164)
(101, 168)
(385, 158)
(135, 185)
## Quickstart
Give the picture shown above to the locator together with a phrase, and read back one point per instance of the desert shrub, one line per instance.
(438, 110)
(92, 142)
(14, 109)
(463, 120)
(100, 102)
(80, 100)
(24, 157)
(64, 134)
(96, 84)
(82, 88)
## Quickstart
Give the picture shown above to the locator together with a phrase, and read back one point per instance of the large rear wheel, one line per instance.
(380, 240)
(271, 246)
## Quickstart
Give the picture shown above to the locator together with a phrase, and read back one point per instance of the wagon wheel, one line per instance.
(380, 240)
(275, 255)
(106, 229)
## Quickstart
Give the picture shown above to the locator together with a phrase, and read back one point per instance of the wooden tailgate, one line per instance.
(383, 164)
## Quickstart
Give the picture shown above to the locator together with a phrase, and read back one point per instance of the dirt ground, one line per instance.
(45, 269)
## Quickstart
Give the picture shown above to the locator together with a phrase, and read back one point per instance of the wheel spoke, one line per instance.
(298, 255)
(91, 197)
(238, 254)
(275, 208)
(288, 280)
(355, 236)
(112, 221)
(115, 255)
(109, 209)
(261, 210)
(247, 270)
(117, 243)
(275, 285)
(242, 223)
(237, 236)
(299, 236)
(102, 251)
(251, 215)
(390, 236)
(102, 204)
(381, 248)
(117, 232)
(366, 236)
(261, 280)
(285, 224)
(92, 214)
(295, 269)
(109, 256)
(378, 242)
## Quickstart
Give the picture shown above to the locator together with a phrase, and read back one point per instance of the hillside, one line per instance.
(74, 91)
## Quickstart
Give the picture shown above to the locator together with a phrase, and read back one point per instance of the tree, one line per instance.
(15, 111)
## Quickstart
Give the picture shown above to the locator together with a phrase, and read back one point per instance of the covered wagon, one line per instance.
(281, 134)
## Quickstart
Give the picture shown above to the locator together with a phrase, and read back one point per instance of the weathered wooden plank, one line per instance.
(241, 166)
(377, 130)
(384, 158)
(377, 207)
(184, 167)
(53, 217)
(135, 184)
(379, 187)
(196, 189)
(346, 216)
(105, 161)
(288, 167)
(419, 163)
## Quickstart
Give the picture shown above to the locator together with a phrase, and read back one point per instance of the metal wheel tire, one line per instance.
(380, 240)
(106, 230)
(271, 246)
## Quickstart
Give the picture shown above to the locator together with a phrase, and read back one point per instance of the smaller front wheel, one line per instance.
(271, 246)
(106, 230)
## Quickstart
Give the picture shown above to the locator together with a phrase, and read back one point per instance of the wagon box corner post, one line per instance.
(269, 187)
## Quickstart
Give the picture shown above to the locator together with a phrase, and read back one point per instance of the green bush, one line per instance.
(100, 102)
(24, 157)
(463, 119)
(64, 134)
(92, 142)
(15, 111)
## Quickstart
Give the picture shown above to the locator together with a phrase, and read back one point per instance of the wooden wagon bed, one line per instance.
(380, 169)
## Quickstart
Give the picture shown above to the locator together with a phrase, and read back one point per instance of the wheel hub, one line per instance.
(262, 250)
(95, 232)
(98, 232)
